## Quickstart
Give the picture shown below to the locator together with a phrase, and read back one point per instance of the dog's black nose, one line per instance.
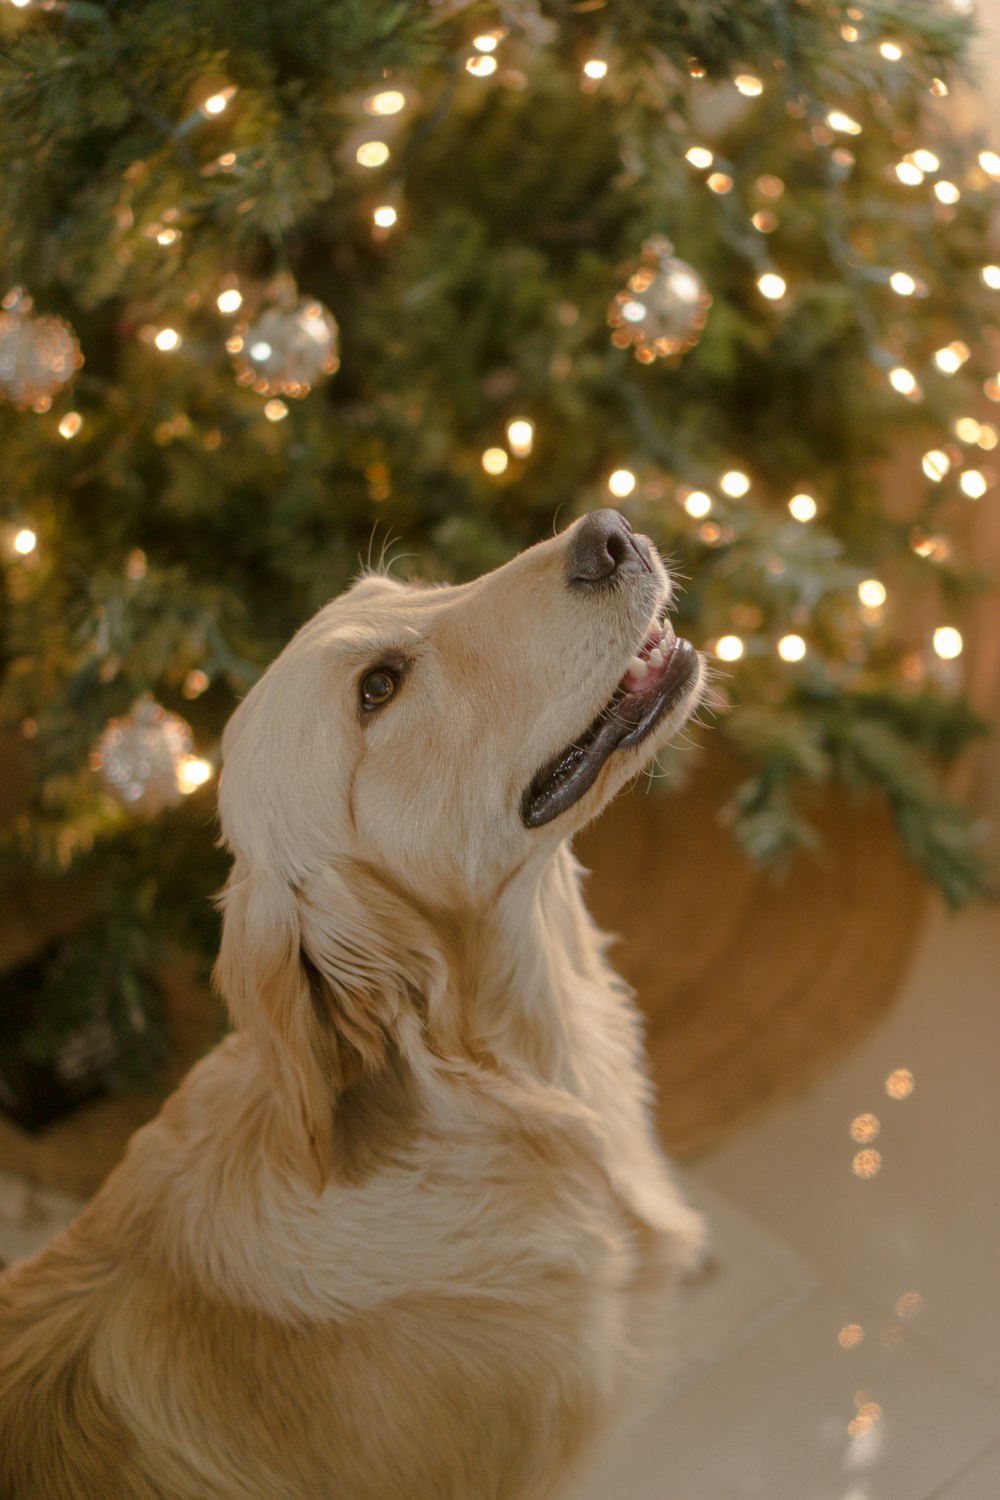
(601, 546)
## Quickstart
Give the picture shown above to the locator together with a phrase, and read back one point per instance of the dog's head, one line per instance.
(411, 748)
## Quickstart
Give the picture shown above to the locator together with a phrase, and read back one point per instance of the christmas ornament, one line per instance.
(663, 306)
(288, 348)
(37, 355)
(141, 757)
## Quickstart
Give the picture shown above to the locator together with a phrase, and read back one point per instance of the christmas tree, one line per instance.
(288, 283)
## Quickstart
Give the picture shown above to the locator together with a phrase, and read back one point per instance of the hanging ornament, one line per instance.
(141, 757)
(662, 308)
(288, 347)
(37, 355)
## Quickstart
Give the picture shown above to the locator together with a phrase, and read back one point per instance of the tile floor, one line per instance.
(902, 1267)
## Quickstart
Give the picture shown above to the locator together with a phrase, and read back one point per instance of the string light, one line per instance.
(952, 357)
(872, 593)
(771, 285)
(388, 102)
(595, 68)
(909, 173)
(838, 120)
(972, 482)
(905, 382)
(988, 437)
(372, 154)
(802, 507)
(520, 436)
(495, 460)
(864, 1128)
(385, 216)
(899, 1084)
(698, 504)
(946, 192)
(192, 772)
(229, 301)
(275, 410)
(770, 186)
(215, 104)
(935, 464)
(850, 1336)
(729, 648)
(621, 483)
(699, 156)
(167, 340)
(791, 648)
(990, 163)
(481, 66)
(70, 425)
(195, 683)
(720, 182)
(891, 51)
(966, 429)
(867, 1163)
(25, 541)
(734, 483)
(903, 283)
(947, 642)
(488, 41)
(925, 160)
(749, 85)
(991, 276)
(765, 221)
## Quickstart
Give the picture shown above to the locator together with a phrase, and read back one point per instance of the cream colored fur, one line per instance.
(406, 1234)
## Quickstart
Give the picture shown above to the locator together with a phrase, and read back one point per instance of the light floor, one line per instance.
(901, 1267)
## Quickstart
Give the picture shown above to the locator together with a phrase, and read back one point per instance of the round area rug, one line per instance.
(751, 984)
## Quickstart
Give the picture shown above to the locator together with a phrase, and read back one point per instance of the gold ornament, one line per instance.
(287, 348)
(662, 308)
(37, 355)
(141, 758)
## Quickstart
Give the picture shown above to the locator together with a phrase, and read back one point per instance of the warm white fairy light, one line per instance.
(275, 410)
(168, 236)
(952, 357)
(771, 285)
(495, 460)
(734, 483)
(488, 41)
(698, 504)
(935, 464)
(872, 593)
(991, 276)
(849, 33)
(167, 340)
(803, 507)
(988, 436)
(720, 182)
(769, 185)
(966, 429)
(596, 68)
(384, 216)
(70, 424)
(481, 66)
(729, 648)
(925, 160)
(372, 154)
(909, 173)
(838, 120)
(791, 648)
(192, 772)
(621, 483)
(972, 482)
(946, 192)
(903, 283)
(749, 85)
(387, 102)
(216, 103)
(520, 436)
(25, 541)
(891, 51)
(699, 156)
(947, 642)
(229, 301)
(990, 163)
(904, 381)
(764, 221)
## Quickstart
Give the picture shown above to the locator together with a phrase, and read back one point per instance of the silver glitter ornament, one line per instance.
(661, 310)
(139, 757)
(287, 349)
(37, 355)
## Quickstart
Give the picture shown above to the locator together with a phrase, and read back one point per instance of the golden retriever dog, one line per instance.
(406, 1234)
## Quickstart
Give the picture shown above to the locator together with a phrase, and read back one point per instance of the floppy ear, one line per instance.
(326, 978)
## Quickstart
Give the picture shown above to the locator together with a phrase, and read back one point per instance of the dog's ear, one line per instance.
(327, 978)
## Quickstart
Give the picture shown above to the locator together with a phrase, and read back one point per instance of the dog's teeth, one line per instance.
(637, 667)
(656, 657)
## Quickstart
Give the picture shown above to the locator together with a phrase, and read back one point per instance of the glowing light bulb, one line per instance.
(621, 483)
(899, 1084)
(520, 436)
(909, 173)
(70, 425)
(872, 593)
(749, 85)
(972, 483)
(988, 436)
(495, 460)
(388, 102)
(850, 1336)
(802, 507)
(891, 51)
(699, 156)
(951, 358)
(734, 483)
(372, 154)
(791, 648)
(867, 1163)
(385, 216)
(229, 301)
(25, 541)
(947, 642)
(764, 221)
(904, 381)
(990, 163)
(168, 236)
(167, 340)
(487, 42)
(771, 285)
(216, 103)
(902, 283)
(991, 276)
(729, 648)
(946, 192)
(720, 182)
(838, 120)
(925, 160)
(935, 464)
(192, 772)
(481, 66)
(966, 429)
(595, 67)
(275, 411)
(698, 504)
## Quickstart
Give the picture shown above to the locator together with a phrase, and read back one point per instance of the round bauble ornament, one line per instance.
(37, 355)
(287, 349)
(661, 310)
(141, 757)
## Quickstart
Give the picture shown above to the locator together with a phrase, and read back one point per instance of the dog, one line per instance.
(406, 1233)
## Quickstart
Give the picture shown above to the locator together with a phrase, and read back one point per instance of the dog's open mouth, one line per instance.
(654, 682)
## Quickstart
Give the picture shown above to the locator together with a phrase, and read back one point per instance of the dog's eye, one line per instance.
(378, 687)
